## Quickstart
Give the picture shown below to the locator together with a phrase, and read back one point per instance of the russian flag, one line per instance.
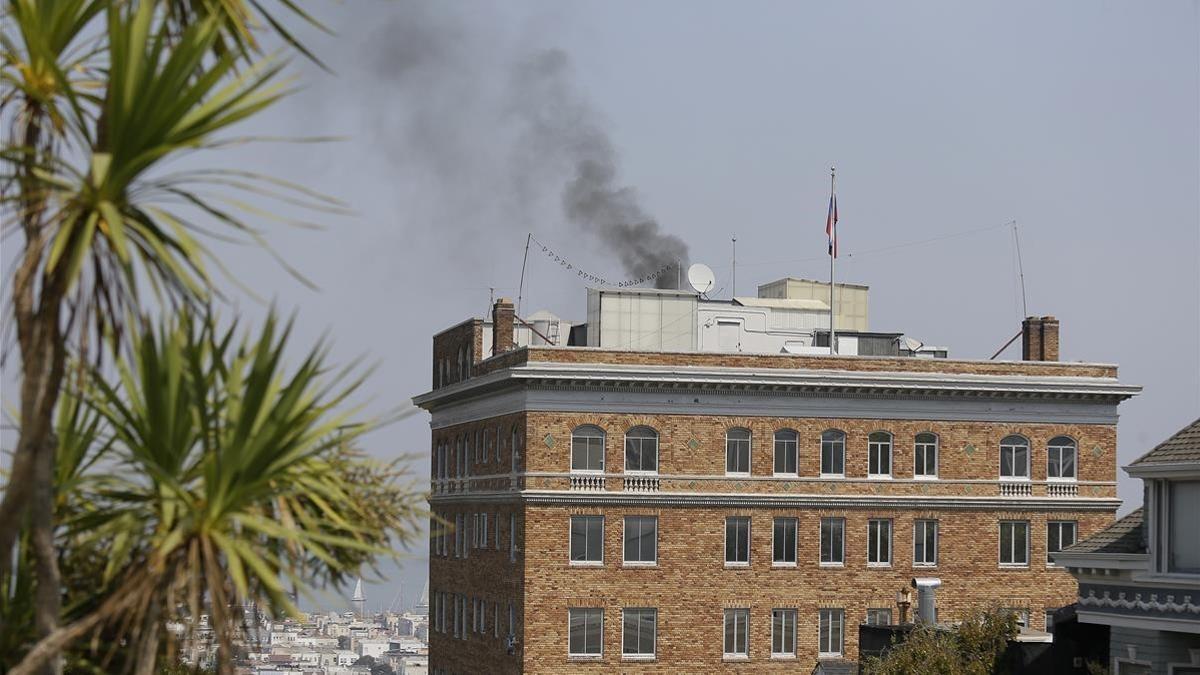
(831, 226)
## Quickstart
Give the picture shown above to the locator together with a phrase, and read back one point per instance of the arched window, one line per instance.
(1014, 457)
(641, 450)
(879, 455)
(833, 453)
(1060, 458)
(787, 450)
(587, 448)
(925, 456)
(737, 451)
(514, 447)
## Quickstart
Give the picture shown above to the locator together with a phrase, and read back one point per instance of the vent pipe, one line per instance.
(926, 602)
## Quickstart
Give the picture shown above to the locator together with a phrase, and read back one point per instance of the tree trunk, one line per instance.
(47, 593)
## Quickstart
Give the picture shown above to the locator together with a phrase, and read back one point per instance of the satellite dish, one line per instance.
(701, 278)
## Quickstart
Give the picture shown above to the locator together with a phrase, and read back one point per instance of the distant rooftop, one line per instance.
(1123, 536)
(1184, 446)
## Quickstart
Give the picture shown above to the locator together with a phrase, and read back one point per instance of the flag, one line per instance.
(831, 225)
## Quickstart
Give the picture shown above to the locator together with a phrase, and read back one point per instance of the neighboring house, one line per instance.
(1141, 575)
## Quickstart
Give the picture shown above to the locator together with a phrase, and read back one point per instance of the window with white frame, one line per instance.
(483, 530)
(1050, 620)
(1059, 535)
(1060, 458)
(587, 540)
(499, 443)
(925, 456)
(737, 633)
(783, 633)
(787, 452)
(737, 451)
(783, 542)
(879, 542)
(1014, 457)
(512, 536)
(925, 543)
(833, 539)
(514, 447)
(641, 450)
(879, 455)
(1014, 543)
(1174, 541)
(587, 449)
(737, 540)
(879, 616)
(638, 629)
(641, 540)
(585, 632)
(496, 540)
(831, 626)
(833, 453)
(1022, 616)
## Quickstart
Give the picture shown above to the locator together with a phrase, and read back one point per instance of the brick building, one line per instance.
(699, 508)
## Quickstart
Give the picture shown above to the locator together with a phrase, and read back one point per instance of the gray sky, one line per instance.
(1080, 120)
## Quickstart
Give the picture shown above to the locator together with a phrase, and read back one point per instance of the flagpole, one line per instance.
(832, 258)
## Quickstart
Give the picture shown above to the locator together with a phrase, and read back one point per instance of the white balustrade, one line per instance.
(1062, 490)
(1016, 490)
(641, 483)
(587, 483)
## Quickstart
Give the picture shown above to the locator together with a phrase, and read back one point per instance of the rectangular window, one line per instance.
(829, 636)
(1014, 542)
(879, 542)
(586, 631)
(1014, 460)
(638, 632)
(1060, 461)
(833, 539)
(587, 540)
(783, 542)
(737, 451)
(879, 455)
(925, 543)
(737, 540)
(587, 449)
(783, 633)
(786, 453)
(1183, 547)
(458, 534)
(737, 633)
(1050, 620)
(641, 540)
(512, 536)
(483, 530)
(879, 616)
(833, 454)
(512, 620)
(1059, 535)
(496, 541)
(925, 456)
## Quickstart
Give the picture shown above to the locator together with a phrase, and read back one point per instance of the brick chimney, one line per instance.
(502, 326)
(1039, 338)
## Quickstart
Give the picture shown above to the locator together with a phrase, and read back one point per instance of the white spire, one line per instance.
(358, 592)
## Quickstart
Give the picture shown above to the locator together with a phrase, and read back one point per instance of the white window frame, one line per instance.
(571, 541)
(640, 656)
(794, 440)
(937, 452)
(841, 561)
(512, 537)
(1060, 448)
(749, 449)
(936, 543)
(880, 539)
(788, 636)
(638, 563)
(740, 615)
(1000, 542)
(874, 611)
(483, 530)
(795, 523)
(749, 551)
(575, 433)
(831, 612)
(875, 447)
(821, 459)
(588, 656)
(657, 452)
(1028, 457)
(1058, 524)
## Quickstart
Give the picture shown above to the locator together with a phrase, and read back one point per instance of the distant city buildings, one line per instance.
(682, 484)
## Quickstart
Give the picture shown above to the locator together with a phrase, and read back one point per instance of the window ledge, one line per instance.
(1014, 566)
(736, 565)
(735, 657)
(829, 655)
(832, 475)
(783, 565)
(783, 657)
(925, 566)
(1060, 479)
(737, 474)
(587, 563)
(585, 657)
(638, 657)
(879, 565)
(639, 564)
(1015, 479)
(833, 564)
(924, 477)
(879, 476)
(785, 475)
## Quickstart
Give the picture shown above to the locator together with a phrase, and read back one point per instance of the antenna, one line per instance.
(734, 281)
(521, 287)
(1020, 270)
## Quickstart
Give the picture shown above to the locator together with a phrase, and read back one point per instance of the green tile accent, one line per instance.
(694, 444)
(970, 450)
(549, 439)
(1097, 451)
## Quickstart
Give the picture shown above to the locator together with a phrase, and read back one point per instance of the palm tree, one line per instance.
(99, 95)
(228, 479)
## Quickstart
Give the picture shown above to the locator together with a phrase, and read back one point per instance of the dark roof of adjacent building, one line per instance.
(1123, 536)
(1184, 446)
(836, 667)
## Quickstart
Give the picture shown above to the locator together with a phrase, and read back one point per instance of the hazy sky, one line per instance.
(1079, 120)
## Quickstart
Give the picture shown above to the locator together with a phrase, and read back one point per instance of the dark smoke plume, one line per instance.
(463, 92)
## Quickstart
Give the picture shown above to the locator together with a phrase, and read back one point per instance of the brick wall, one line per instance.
(465, 340)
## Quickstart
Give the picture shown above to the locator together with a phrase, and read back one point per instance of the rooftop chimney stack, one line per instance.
(503, 315)
(926, 601)
(1039, 338)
